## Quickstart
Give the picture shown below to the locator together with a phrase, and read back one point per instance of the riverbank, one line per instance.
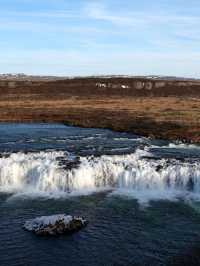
(170, 111)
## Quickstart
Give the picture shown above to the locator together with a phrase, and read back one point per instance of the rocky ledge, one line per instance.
(55, 225)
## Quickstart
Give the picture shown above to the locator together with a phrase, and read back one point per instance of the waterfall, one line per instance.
(48, 172)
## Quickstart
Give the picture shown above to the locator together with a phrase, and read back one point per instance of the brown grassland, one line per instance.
(167, 115)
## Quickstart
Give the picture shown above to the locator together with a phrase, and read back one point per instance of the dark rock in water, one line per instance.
(159, 167)
(55, 224)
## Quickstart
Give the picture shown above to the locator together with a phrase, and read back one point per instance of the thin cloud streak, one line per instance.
(58, 14)
(101, 12)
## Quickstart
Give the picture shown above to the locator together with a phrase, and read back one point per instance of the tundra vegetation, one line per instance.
(157, 107)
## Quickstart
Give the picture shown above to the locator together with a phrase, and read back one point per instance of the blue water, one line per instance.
(121, 230)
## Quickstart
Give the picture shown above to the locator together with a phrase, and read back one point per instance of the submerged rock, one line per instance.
(55, 224)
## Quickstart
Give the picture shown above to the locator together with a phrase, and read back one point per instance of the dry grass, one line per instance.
(143, 115)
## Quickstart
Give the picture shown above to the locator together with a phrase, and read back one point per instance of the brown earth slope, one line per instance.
(161, 108)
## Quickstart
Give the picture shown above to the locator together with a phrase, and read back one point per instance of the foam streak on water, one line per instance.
(43, 173)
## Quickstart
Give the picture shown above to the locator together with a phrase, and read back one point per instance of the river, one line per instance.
(140, 196)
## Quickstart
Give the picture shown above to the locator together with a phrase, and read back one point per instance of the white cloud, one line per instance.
(99, 11)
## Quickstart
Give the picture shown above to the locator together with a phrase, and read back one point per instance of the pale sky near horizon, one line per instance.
(85, 37)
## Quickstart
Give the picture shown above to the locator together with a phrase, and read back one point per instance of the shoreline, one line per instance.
(173, 136)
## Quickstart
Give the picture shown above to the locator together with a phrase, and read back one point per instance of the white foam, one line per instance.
(178, 146)
(184, 146)
(43, 221)
(130, 139)
(133, 174)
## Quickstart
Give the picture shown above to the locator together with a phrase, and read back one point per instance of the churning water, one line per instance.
(140, 196)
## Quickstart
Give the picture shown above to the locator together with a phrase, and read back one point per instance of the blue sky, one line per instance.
(82, 37)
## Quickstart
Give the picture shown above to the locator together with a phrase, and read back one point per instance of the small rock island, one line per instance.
(55, 225)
